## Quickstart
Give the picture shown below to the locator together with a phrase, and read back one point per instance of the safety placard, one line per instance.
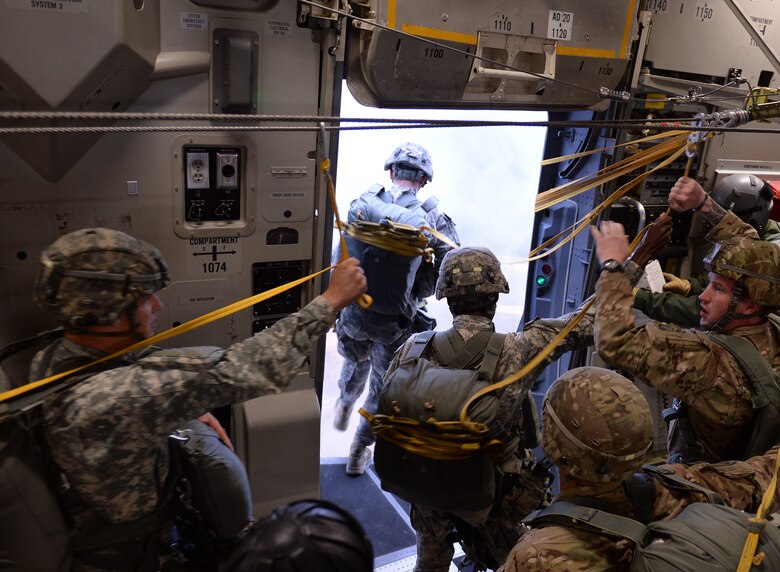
(278, 28)
(559, 25)
(194, 21)
(214, 256)
(287, 195)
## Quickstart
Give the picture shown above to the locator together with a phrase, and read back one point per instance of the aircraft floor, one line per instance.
(384, 516)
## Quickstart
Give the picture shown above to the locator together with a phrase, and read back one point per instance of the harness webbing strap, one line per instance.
(764, 390)
(490, 357)
(470, 353)
(590, 518)
(675, 481)
(446, 345)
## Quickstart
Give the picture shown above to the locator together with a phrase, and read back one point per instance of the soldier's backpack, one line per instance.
(704, 536)
(390, 276)
(418, 392)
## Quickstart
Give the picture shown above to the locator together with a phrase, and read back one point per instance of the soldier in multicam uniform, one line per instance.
(748, 197)
(597, 429)
(713, 391)
(108, 432)
(471, 280)
(367, 338)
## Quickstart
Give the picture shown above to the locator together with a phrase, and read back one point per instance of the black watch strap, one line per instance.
(611, 265)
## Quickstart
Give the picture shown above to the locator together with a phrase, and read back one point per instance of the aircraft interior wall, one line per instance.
(236, 212)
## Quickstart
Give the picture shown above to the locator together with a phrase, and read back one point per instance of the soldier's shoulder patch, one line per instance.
(183, 358)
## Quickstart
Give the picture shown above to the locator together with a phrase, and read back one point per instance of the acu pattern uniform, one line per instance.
(108, 433)
(597, 404)
(479, 271)
(367, 339)
(688, 364)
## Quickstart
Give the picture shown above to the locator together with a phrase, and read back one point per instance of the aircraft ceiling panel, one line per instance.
(682, 28)
(585, 49)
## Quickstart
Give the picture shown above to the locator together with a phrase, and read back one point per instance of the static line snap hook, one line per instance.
(365, 301)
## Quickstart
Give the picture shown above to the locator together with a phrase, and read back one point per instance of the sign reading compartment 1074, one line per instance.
(214, 256)
(559, 25)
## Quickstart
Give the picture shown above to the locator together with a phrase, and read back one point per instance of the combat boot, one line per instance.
(341, 418)
(359, 455)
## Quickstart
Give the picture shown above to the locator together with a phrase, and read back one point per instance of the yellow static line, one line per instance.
(175, 331)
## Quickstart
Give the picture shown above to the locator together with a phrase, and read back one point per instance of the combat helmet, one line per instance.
(753, 264)
(596, 425)
(304, 536)
(412, 163)
(747, 196)
(90, 277)
(470, 270)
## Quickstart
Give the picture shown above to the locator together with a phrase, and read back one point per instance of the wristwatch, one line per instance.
(611, 265)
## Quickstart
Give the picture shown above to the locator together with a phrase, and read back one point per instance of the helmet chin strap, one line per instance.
(731, 312)
(131, 331)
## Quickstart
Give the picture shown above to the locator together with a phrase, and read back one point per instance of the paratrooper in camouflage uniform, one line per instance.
(108, 432)
(367, 339)
(471, 280)
(687, 364)
(597, 430)
(748, 197)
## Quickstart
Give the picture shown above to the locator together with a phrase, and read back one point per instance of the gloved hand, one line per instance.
(676, 285)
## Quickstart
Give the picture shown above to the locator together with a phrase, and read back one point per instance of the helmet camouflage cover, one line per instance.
(596, 424)
(754, 263)
(411, 155)
(91, 276)
(470, 270)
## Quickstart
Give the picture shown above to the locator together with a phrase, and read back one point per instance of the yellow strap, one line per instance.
(186, 327)
(453, 440)
(561, 193)
(664, 135)
(547, 350)
(528, 367)
(748, 557)
(440, 236)
(201, 320)
(365, 300)
(393, 237)
(540, 252)
(444, 440)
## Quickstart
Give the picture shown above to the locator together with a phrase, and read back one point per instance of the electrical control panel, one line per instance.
(214, 185)
(212, 178)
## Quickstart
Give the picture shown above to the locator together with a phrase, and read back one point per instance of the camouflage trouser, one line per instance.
(367, 341)
(493, 532)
